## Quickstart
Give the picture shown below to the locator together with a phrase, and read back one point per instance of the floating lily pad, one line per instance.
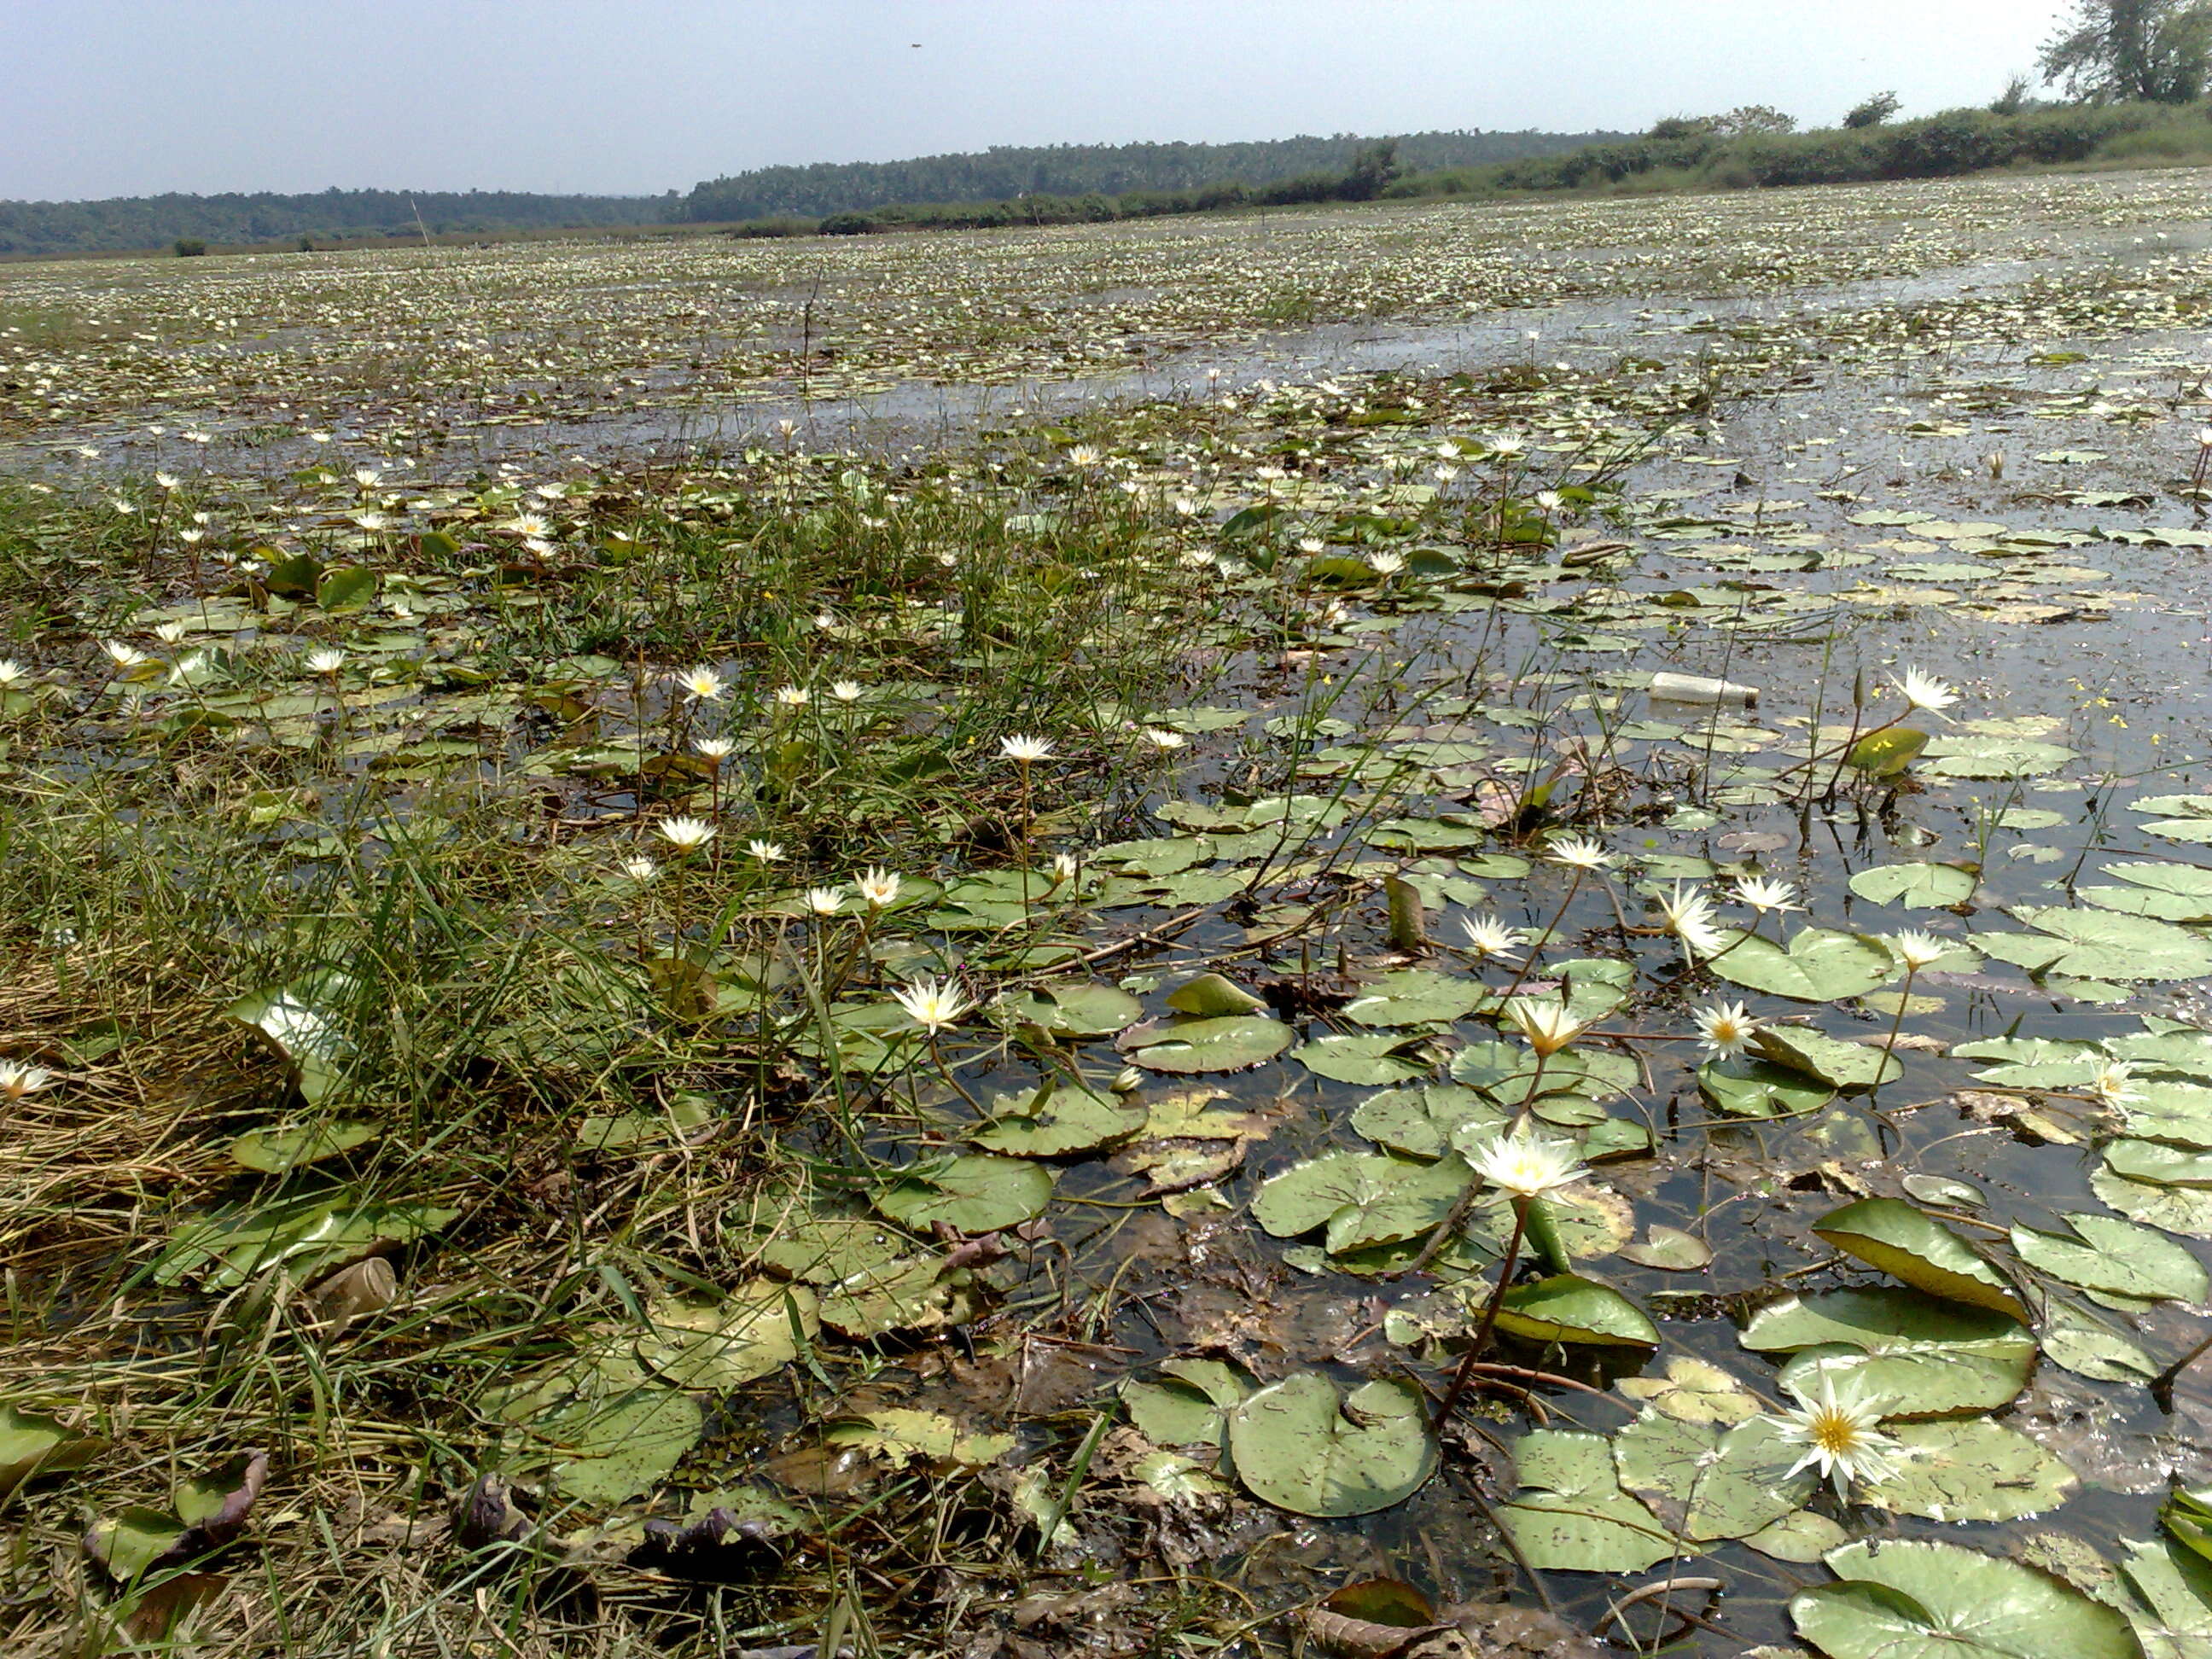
(1911, 1245)
(1232, 1044)
(1572, 1515)
(1915, 886)
(1970, 1469)
(1057, 1121)
(1905, 1599)
(1714, 1483)
(1299, 1445)
(1819, 964)
(1744, 1087)
(974, 1193)
(1566, 1307)
(1903, 1353)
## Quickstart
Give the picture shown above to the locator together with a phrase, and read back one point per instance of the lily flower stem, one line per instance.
(1481, 1342)
(1536, 945)
(1904, 997)
(945, 1071)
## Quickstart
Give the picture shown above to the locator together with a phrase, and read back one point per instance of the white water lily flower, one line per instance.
(1725, 1028)
(768, 851)
(1690, 918)
(685, 834)
(824, 901)
(1528, 1167)
(1488, 938)
(640, 868)
(1160, 739)
(1579, 853)
(715, 749)
(125, 657)
(1544, 1023)
(1842, 1438)
(17, 1079)
(793, 696)
(2111, 1085)
(702, 684)
(298, 1029)
(1025, 751)
(845, 690)
(1925, 691)
(1917, 950)
(933, 1004)
(877, 886)
(1064, 868)
(328, 660)
(1386, 564)
(1764, 896)
(12, 673)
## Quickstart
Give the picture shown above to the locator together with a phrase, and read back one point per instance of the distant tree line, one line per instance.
(146, 221)
(1010, 172)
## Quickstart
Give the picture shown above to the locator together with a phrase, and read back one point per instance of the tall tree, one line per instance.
(2157, 51)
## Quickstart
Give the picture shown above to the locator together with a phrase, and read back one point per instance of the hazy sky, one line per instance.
(126, 97)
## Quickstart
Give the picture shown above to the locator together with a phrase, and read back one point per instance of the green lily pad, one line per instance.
(974, 1193)
(1708, 1483)
(1850, 1066)
(2116, 1258)
(1904, 1599)
(1905, 1352)
(1566, 1307)
(1572, 1515)
(308, 1235)
(1907, 1243)
(1744, 1087)
(1077, 1010)
(275, 1150)
(1060, 1119)
(1915, 886)
(31, 1444)
(1385, 1057)
(1970, 1469)
(1211, 996)
(1299, 1445)
(1231, 1044)
(2099, 945)
(1414, 996)
(1184, 1406)
(1362, 1199)
(1819, 965)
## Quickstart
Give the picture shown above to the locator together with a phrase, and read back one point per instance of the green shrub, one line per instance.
(189, 247)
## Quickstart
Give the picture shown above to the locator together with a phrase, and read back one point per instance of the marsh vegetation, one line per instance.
(1553, 996)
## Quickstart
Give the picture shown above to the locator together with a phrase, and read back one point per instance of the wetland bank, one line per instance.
(723, 947)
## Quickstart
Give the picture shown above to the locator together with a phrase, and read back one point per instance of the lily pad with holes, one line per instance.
(1571, 1514)
(1970, 1469)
